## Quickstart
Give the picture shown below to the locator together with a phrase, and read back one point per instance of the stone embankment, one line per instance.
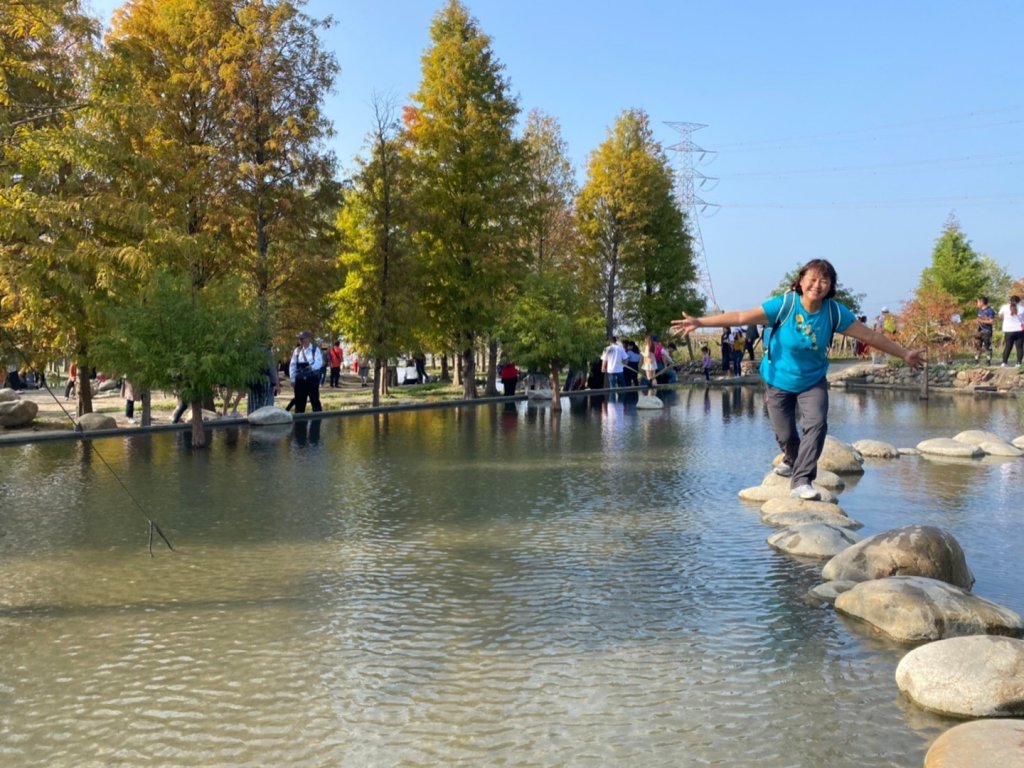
(913, 585)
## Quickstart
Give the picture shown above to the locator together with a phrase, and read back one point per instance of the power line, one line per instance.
(935, 163)
(988, 200)
(771, 143)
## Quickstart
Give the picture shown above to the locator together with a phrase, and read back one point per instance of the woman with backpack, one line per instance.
(801, 323)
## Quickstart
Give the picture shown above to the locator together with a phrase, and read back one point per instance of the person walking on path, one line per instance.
(1013, 329)
(612, 361)
(794, 365)
(983, 334)
(337, 357)
(304, 371)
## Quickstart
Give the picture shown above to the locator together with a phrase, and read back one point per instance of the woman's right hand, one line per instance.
(685, 326)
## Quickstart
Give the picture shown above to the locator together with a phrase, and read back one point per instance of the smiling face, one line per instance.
(815, 285)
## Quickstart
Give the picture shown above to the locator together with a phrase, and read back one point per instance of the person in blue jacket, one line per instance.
(801, 323)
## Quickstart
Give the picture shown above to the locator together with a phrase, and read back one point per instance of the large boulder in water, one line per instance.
(912, 609)
(979, 744)
(944, 446)
(915, 550)
(17, 413)
(977, 437)
(824, 478)
(876, 449)
(841, 458)
(268, 415)
(976, 676)
(766, 492)
(91, 422)
(816, 540)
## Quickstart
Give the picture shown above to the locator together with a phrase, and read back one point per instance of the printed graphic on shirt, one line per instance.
(808, 333)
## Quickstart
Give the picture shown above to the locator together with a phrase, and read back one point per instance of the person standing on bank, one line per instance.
(304, 371)
(801, 323)
(1012, 314)
(337, 356)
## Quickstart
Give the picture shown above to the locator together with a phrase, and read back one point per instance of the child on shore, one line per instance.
(706, 364)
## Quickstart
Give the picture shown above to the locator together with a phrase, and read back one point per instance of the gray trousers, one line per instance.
(801, 452)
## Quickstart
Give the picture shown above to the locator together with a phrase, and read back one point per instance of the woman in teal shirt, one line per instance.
(801, 323)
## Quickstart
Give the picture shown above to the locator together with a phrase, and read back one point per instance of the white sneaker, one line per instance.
(782, 469)
(806, 491)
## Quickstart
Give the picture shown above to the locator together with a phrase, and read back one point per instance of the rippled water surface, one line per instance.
(467, 587)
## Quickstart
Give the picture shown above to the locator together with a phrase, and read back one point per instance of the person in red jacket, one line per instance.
(337, 357)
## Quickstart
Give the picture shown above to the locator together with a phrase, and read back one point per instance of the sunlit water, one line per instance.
(467, 587)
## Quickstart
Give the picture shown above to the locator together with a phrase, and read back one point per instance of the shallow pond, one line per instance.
(486, 586)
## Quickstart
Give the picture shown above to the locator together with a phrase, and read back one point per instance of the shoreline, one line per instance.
(351, 399)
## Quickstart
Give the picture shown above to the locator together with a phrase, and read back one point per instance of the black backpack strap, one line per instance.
(780, 318)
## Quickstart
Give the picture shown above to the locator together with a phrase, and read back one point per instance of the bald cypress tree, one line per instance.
(468, 171)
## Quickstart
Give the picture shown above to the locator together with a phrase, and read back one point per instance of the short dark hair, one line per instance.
(983, 299)
(817, 265)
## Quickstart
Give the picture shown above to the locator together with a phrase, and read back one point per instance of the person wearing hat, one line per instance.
(304, 371)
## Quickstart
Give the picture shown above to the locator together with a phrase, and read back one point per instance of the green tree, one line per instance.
(65, 220)
(955, 267)
(177, 338)
(553, 325)
(998, 281)
(633, 231)
(550, 190)
(377, 308)
(468, 167)
(844, 294)
(274, 75)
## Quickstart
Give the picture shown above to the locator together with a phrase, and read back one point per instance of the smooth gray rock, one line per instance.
(1000, 448)
(802, 517)
(841, 458)
(268, 415)
(876, 449)
(830, 590)
(912, 609)
(976, 676)
(825, 479)
(979, 744)
(91, 422)
(17, 413)
(7, 395)
(766, 492)
(915, 550)
(817, 540)
(978, 436)
(944, 446)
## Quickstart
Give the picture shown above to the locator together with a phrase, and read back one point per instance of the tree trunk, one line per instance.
(556, 396)
(198, 435)
(446, 374)
(147, 409)
(469, 369)
(84, 388)
(379, 382)
(492, 365)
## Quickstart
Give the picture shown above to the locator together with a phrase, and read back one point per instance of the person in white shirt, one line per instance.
(612, 360)
(1013, 329)
(304, 371)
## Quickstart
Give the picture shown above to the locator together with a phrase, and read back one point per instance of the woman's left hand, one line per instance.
(914, 358)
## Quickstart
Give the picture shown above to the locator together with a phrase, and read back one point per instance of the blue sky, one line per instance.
(842, 130)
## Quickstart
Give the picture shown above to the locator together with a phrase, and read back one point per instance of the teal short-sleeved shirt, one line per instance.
(798, 349)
